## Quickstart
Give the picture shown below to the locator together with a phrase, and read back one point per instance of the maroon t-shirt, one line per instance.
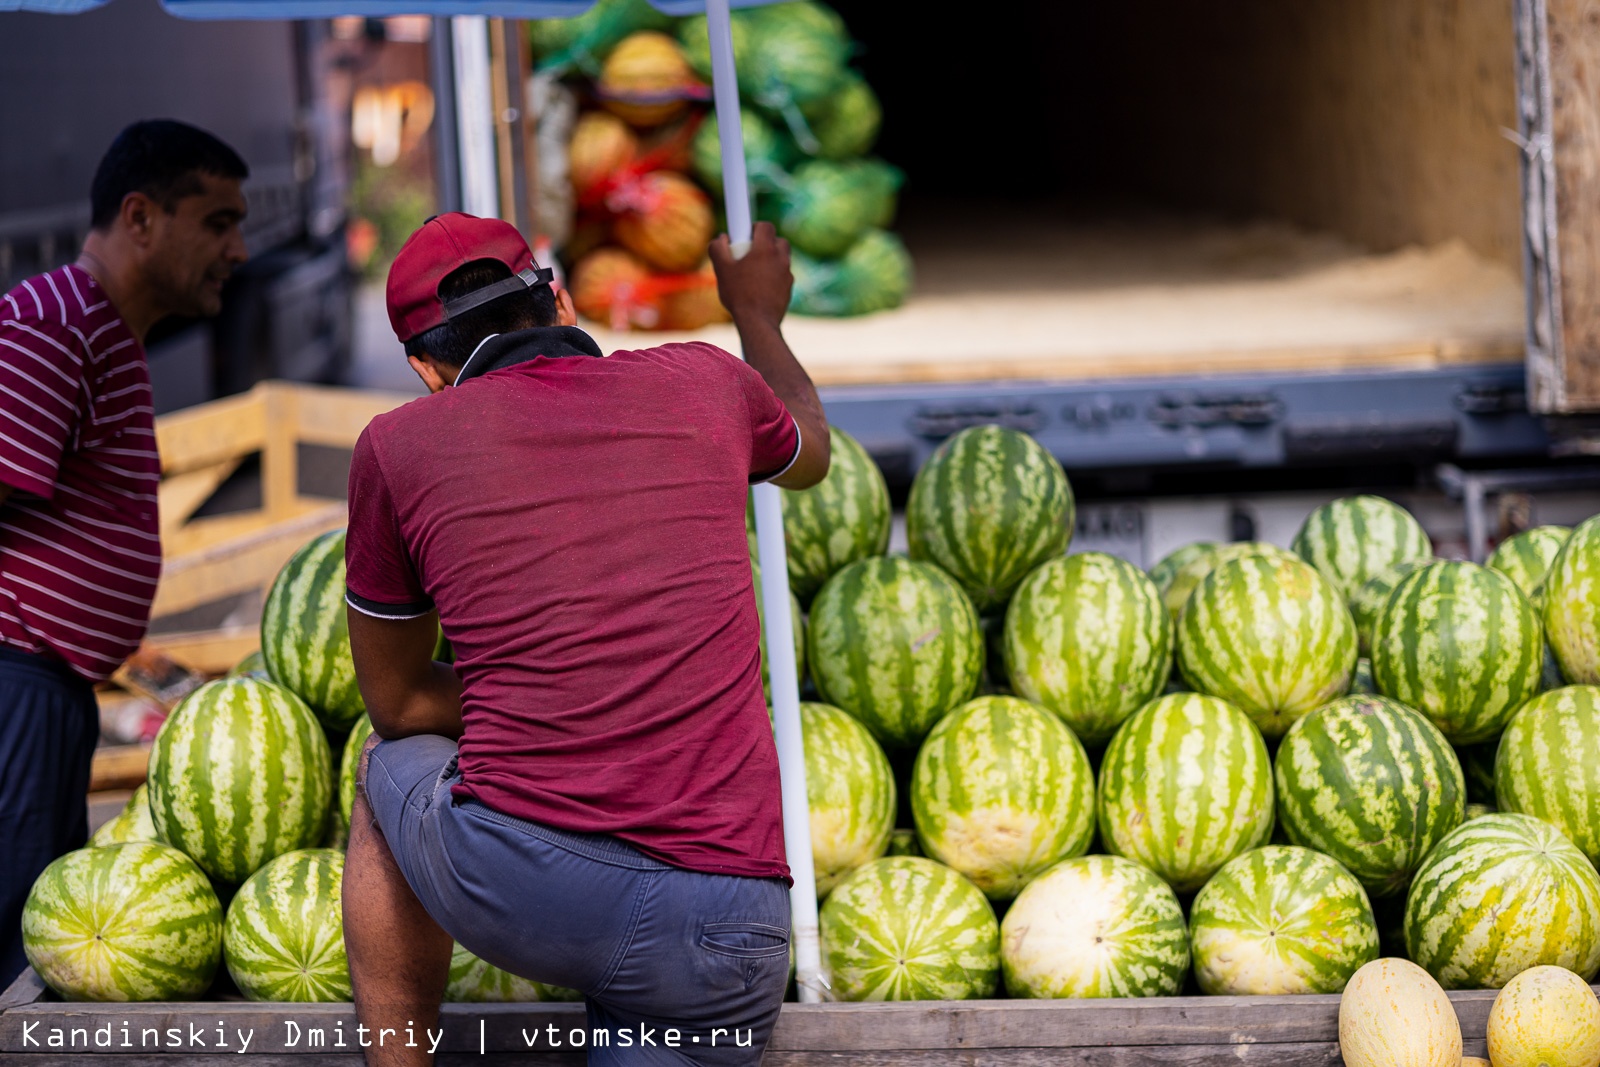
(579, 524)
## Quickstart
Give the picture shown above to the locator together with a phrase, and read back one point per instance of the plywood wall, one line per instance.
(1378, 119)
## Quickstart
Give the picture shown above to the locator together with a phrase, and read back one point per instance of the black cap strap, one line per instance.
(527, 279)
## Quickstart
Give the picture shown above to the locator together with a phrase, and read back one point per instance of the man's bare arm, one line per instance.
(755, 289)
(405, 691)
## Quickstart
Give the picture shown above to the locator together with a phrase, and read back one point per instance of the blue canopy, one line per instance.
(327, 9)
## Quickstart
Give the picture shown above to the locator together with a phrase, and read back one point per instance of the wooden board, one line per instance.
(1281, 1031)
(243, 564)
(211, 651)
(118, 767)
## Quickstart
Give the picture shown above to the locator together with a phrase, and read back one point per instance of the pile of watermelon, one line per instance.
(1034, 772)
(644, 159)
(229, 860)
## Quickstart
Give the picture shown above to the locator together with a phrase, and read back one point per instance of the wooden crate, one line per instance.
(1290, 1031)
(212, 558)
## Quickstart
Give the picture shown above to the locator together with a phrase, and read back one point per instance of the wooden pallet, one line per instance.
(1289, 1031)
(215, 557)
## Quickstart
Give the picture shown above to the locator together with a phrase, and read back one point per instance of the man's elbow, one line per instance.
(811, 466)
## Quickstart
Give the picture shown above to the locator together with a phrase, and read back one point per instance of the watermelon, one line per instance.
(254, 664)
(1087, 637)
(1548, 764)
(473, 981)
(840, 520)
(1177, 575)
(1361, 681)
(240, 773)
(1356, 538)
(904, 843)
(1185, 786)
(1478, 811)
(1000, 791)
(283, 938)
(136, 921)
(850, 791)
(1374, 594)
(1570, 595)
(1372, 784)
(1280, 920)
(1461, 644)
(349, 764)
(798, 628)
(1526, 558)
(1500, 894)
(907, 928)
(1095, 926)
(132, 824)
(1270, 636)
(896, 644)
(305, 636)
(989, 506)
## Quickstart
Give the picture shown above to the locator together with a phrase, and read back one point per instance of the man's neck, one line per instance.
(111, 266)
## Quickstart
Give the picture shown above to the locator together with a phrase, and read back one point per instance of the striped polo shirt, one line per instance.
(80, 550)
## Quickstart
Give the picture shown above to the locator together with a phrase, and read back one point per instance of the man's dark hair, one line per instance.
(453, 342)
(162, 159)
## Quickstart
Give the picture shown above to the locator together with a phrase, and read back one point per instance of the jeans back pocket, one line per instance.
(745, 940)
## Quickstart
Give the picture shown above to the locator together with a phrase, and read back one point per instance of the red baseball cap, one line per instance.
(443, 244)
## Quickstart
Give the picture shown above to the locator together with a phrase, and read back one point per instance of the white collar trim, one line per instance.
(472, 357)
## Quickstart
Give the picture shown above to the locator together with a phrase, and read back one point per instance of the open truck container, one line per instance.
(1423, 289)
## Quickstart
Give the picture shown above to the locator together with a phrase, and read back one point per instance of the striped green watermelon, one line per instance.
(1367, 601)
(240, 773)
(1185, 786)
(255, 664)
(1095, 926)
(1281, 920)
(1477, 764)
(349, 764)
(1270, 636)
(1087, 637)
(1372, 784)
(904, 843)
(1000, 791)
(1548, 764)
(1500, 894)
(1177, 575)
(896, 644)
(133, 823)
(842, 519)
(989, 506)
(1461, 644)
(136, 921)
(1571, 592)
(850, 791)
(1356, 538)
(796, 620)
(474, 981)
(283, 938)
(305, 636)
(907, 928)
(1526, 558)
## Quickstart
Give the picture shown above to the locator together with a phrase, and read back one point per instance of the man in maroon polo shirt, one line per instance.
(589, 796)
(80, 550)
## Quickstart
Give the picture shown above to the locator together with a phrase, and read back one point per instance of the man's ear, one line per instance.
(566, 314)
(138, 217)
(430, 372)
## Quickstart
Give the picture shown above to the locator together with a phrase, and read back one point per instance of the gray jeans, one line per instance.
(663, 956)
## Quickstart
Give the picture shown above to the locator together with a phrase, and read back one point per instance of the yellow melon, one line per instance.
(612, 287)
(691, 301)
(1474, 1061)
(1545, 1017)
(664, 219)
(602, 144)
(647, 80)
(1393, 1014)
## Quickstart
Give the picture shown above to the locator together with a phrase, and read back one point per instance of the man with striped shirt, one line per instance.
(80, 550)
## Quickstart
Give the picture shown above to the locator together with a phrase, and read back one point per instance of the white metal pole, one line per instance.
(770, 548)
(475, 119)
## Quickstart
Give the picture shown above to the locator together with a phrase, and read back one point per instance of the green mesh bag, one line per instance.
(845, 124)
(768, 152)
(826, 205)
(583, 42)
(797, 56)
(875, 275)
